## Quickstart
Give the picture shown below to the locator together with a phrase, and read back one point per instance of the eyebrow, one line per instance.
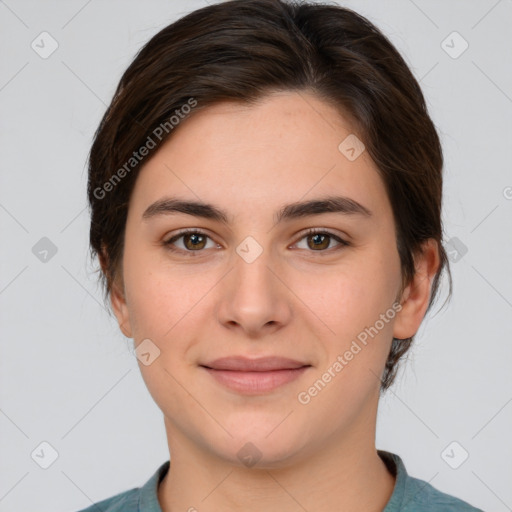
(330, 204)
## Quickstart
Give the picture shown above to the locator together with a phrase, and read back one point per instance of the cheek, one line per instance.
(357, 305)
(354, 298)
(359, 312)
(161, 307)
(173, 308)
(161, 297)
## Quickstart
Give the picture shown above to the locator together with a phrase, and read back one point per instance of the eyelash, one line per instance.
(311, 231)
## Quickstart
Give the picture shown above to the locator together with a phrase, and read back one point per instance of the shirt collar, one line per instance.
(396, 466)
(148, 495)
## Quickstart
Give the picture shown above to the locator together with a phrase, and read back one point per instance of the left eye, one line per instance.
(319, 240)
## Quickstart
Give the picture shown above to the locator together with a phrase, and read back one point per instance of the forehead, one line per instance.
(282, 149)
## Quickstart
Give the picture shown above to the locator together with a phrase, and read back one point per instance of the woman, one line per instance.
(266, 191)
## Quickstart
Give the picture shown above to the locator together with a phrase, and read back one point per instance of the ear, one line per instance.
(117, 299)
(416, 296)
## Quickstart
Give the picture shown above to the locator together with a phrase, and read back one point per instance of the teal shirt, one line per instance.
(409, 495)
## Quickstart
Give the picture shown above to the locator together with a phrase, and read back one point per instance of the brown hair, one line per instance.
(239, 51)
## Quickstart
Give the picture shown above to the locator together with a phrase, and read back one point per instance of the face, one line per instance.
(257, 284)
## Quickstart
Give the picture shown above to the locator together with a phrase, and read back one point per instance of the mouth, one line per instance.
(255, 376)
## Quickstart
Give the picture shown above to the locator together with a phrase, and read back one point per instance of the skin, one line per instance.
(293, 301)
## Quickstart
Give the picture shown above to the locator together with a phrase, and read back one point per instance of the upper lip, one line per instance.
(262, 364)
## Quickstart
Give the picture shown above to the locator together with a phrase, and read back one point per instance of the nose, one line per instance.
(253, 297)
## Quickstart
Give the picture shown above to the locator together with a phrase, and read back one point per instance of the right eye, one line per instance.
(194, 240)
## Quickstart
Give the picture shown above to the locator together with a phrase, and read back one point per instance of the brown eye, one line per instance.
(320, 241)
(193, 241)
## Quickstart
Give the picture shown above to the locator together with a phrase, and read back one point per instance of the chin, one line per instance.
(260, 447)
(262, 455)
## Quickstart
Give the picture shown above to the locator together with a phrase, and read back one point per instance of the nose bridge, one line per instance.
(254, 298)
(251, 274)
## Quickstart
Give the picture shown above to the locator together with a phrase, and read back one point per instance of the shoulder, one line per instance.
(414, 495)
(126, 501)
(420, 495)
(138, 499)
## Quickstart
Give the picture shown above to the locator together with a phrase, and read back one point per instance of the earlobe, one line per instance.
(416, 296)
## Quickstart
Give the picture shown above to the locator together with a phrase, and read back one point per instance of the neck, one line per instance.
(345, 473)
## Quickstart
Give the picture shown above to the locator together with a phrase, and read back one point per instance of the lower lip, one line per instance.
(255, 382)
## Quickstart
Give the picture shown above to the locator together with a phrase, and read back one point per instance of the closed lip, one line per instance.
(261, 364)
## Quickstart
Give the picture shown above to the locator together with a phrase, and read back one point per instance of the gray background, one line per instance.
(68, 376)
